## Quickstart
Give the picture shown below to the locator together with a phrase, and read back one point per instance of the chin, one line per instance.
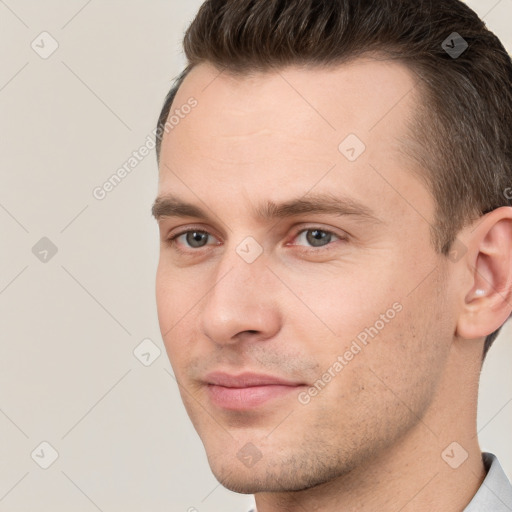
(271, 476)
(242, 486)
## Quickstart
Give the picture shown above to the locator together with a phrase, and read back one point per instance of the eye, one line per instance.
(193, 238)
(316, 237)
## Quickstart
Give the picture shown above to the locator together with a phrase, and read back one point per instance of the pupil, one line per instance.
(316, 236)
(196, 238)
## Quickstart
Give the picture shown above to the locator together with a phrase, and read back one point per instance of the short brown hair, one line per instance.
(466, 108)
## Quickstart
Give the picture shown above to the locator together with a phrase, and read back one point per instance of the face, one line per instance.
(300, 300)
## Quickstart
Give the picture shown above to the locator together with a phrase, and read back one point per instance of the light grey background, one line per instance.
(68, 374)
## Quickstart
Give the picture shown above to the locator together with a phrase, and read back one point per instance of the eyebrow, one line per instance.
(169, 205)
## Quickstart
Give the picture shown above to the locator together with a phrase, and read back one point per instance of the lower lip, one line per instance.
(247, 398)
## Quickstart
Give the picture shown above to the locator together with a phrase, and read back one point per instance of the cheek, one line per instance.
(409, 355)
(342, 302)
(173, 308)
(378, 320)
(175, 294)
(165, 300)
(385, 383)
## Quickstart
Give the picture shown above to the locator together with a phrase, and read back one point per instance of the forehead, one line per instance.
(329, 100)
(295, 129)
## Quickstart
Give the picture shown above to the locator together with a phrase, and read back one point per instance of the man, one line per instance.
(336, 249)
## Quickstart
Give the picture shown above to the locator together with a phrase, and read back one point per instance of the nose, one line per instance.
(242, 303)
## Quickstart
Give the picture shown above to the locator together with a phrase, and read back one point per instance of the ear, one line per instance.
(487, 303)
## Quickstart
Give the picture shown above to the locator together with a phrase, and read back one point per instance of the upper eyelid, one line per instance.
(189, 229)
(298, 230)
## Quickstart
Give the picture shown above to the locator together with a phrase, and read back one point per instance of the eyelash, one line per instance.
(172, 239)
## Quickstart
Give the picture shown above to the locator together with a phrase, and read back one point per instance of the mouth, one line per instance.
(247, 390)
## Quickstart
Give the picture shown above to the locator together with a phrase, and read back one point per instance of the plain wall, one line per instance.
(68, 375)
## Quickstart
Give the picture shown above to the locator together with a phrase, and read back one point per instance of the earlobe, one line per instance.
(488, 302)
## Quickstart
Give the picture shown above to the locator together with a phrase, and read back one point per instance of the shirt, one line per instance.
(495, 493)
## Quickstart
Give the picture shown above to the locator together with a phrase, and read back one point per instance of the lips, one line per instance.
(247, 390)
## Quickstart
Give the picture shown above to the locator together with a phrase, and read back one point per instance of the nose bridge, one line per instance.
(243, 266)
(239, 299)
